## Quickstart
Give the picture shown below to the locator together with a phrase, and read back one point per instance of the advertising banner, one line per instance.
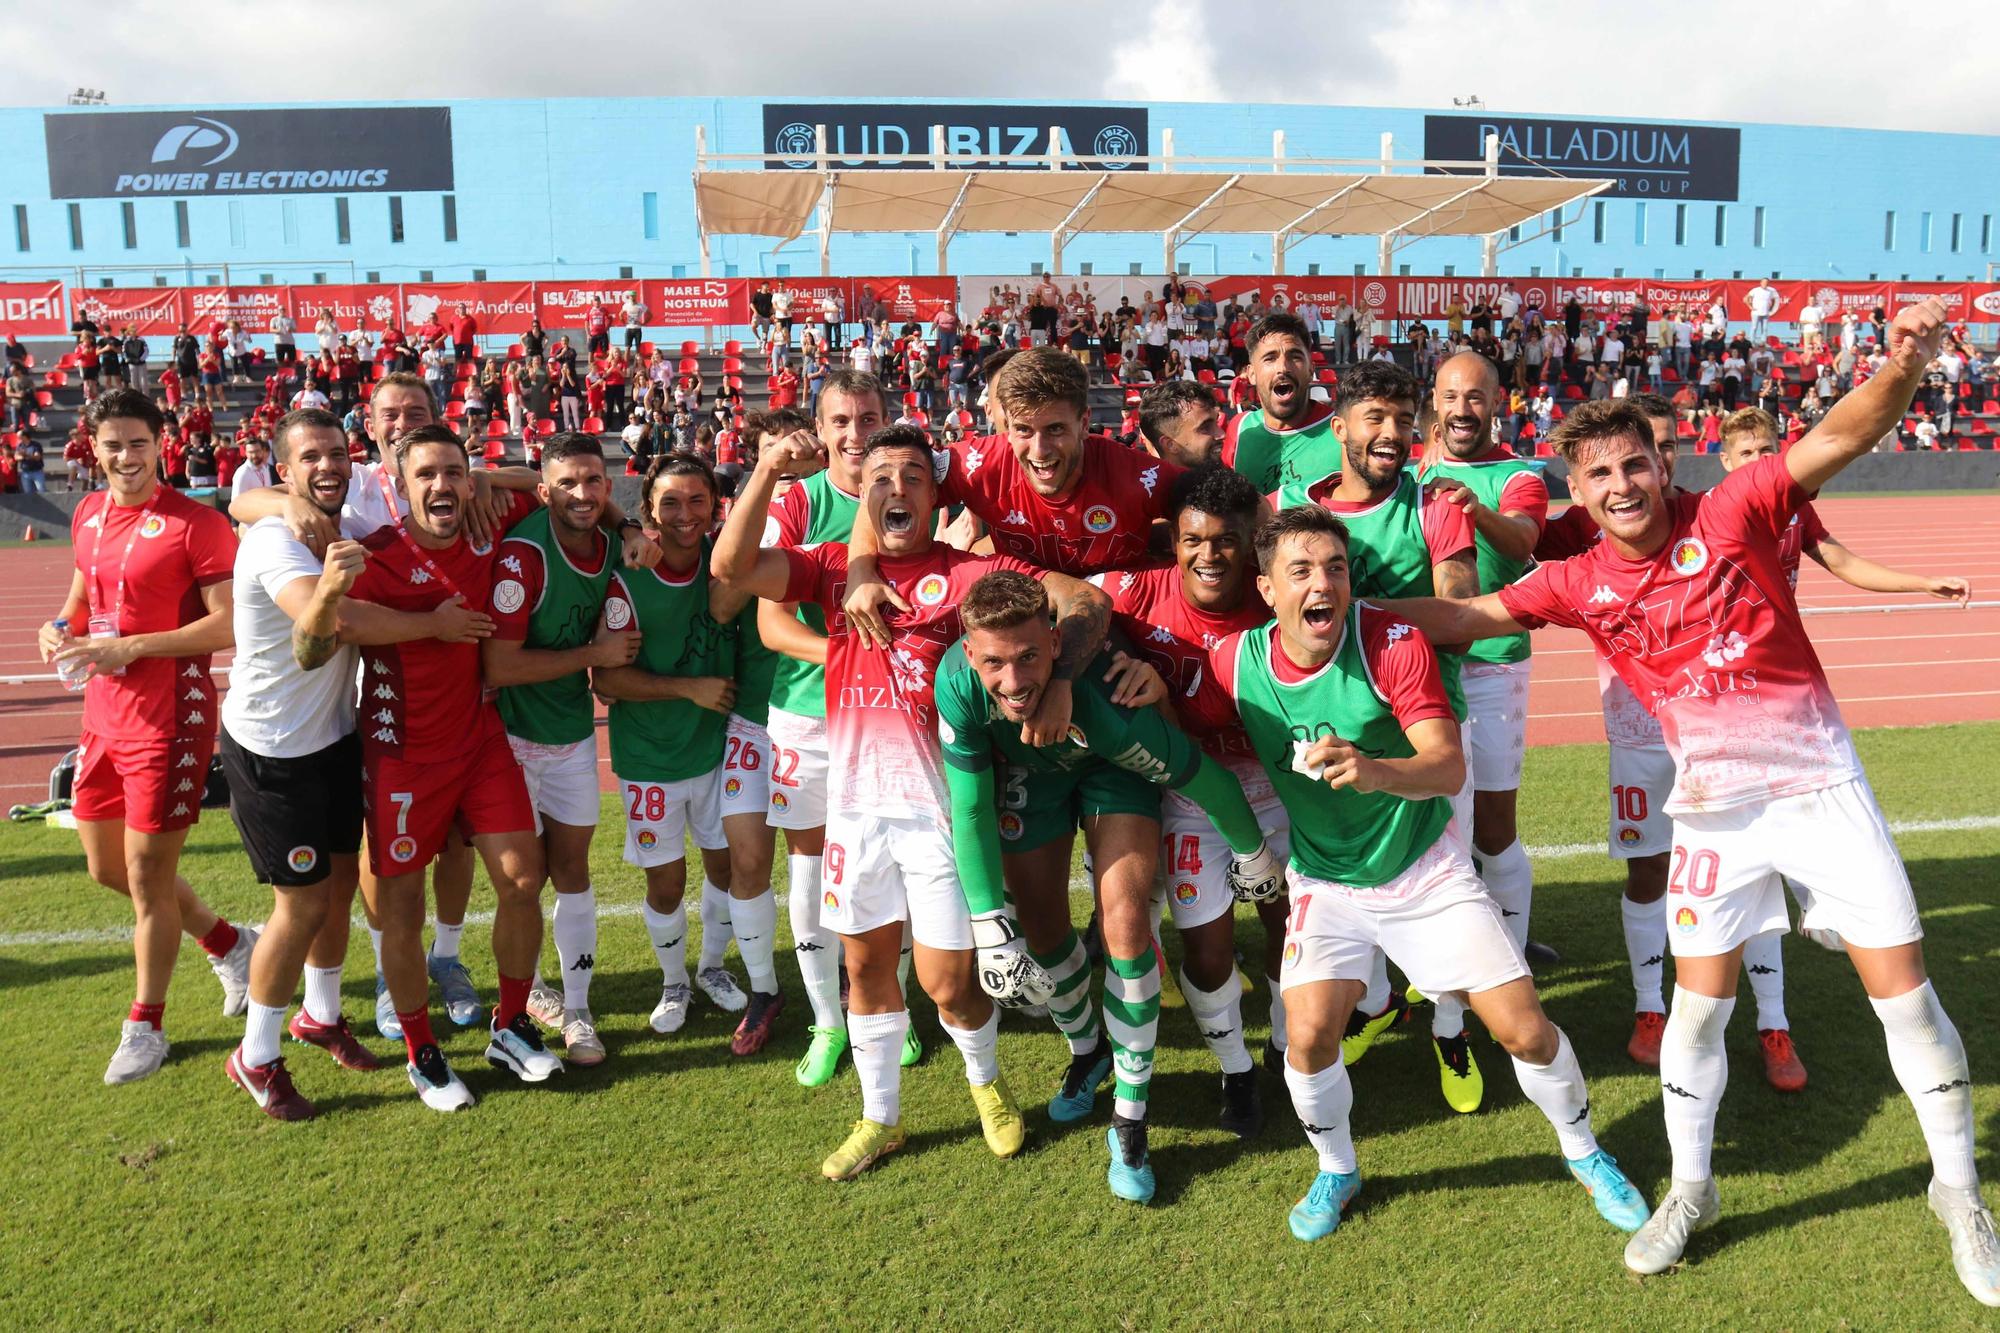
(1647, 161)
(32, 310)
(859, 134)
(698, 302)
(344, 150)
(906, 298)
(566, 305)
(254, 307)
(379, 303)
(147, 311)
(499, 307)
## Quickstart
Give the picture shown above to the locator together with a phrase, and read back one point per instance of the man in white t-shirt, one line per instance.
(1811, 320)
(1507, 304)
(635, 313)
(1763, 305)
(255, 471)
(781, 314)
(285, 330)
(289, 747)
(309, 397)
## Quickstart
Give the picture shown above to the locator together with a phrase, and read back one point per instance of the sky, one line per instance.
(1693, 60)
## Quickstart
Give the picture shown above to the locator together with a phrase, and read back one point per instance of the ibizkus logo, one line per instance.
(196, 139)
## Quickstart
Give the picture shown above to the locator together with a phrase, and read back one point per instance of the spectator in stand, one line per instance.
(862, 355)
(493, 385)
(132, 348)
(1763, 304)
(1507, 306)
(760, 313)
(1307, 310)
(19, 398)
(568, 390)
(212, 392)
(172, 388)
(16, 354)
(80, 453)
(531, 377)
(635, 313)
(781, 315)
(923, 382)
(326, 329)
(944, 327)
(87, 367)
(256, 470)
(814, 378)
(465, 335)
(229, 455)
(616, 374)
(285, 339)
(111, 362)
(1812, 320)
(476, 411)
(832, 313)
(593, 393)
(28, 466)
(310, 396)
(10, 470)
(1927, 435)
(198, 420)
(437, 372)
(535, 342)
(242, 354)
(597, 328)
(201, 474)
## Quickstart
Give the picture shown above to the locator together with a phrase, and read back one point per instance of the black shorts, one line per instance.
(295, 814)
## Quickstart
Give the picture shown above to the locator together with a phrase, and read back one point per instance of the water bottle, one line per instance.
(74, 675)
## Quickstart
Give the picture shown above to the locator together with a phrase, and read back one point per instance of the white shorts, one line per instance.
(562, 780)
(1641, 780)
(1496, 704)
(1435, 921)
(880, 870)
(659, 815)
(798, 771)
(746, 769)
(1726, 882)
(1194, 862)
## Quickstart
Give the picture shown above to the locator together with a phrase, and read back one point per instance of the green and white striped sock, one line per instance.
(1069, 967)
(1132, 1017)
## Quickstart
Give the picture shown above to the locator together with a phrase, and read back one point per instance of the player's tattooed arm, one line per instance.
(1457, 579)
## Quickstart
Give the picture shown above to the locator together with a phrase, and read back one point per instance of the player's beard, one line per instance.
(1378, 472)
(1290, 409)
(1473, 444)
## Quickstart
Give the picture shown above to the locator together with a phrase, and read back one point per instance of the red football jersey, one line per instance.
(1105, 522)
(1708, 636)
(881, 722)
(178, 547)
(1802, 534)
(423, 699)
(1176, 637)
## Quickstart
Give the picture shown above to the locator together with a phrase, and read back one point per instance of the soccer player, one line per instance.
(1687, 598)
(1401, 543)
(294, 761)
(1287, 438)
(1173, 615)
(888, 850)
(1346, 709)
(1506, 500)
(147, 606)
(400, 404)
(553, 624)
(670, 711)
(1012, 831)
(820, 507)
(1180, 422)
(434, 756)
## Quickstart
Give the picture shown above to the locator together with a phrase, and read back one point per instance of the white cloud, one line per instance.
(1172, 58)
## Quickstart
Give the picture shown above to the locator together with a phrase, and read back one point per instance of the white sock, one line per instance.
(979, 1046)
(667, 933)
(754, 922)
(1764, 964)
(575, 930)
(716, 918)
(1558, 1091)
(1447, 1015)
(261, 1030)
(445, 939)
(1322, 1102)
(876, 1043)
(1929, 1061)
(1510, 879)
(1277, 1014)
(375, 942)
(1219, 1016)
(323, 994)
(1694, 1070)
(1646, 951)
(816, 947)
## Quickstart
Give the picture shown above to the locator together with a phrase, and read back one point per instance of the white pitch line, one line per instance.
(32, 939)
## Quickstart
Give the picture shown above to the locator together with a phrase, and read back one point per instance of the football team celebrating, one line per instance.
(1282, 664)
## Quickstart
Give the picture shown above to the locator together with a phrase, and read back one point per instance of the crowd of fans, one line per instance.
(655, 401)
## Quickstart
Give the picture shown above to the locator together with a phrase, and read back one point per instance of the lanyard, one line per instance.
(423, 558)
(124, 561)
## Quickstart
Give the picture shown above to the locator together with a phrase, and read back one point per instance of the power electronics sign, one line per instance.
(981, 136)
(1646, 161)
(133, 154)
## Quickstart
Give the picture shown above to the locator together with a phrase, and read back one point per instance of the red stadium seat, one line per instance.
(646, 350)
(687, 366)
(733, 382)
(1112, 361)
(1685, 430)
(909, 400)
(732, 365)
(56, 379)
(495, 448)
(733, 347)
(67, 361)
(593, 425)
(1573, 392)
(690, 348)
(454, 410)
(1327, 376)
(45, 398)
(1204, 377)
(496, 429)
(516, 352)
(1990, 405)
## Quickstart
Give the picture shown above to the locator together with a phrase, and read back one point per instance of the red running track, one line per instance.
(1925, 664)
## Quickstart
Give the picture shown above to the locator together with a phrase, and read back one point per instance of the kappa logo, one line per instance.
(403, 849)
(1149, 479)
(1125, 581)
(186, 761)
(509, 596)
(511, 563)
(379, 667)
(1603, 596)
(1690, 556)
(1161, 634)
(1099, 519)
(194, 695)
(1724, 649)
(179, 810)
(384, 692)
(386, 735)
(1015, 519)
(301, 860)
(1397, 632)
(418, 576)
(184, 785)
(193, 672)
(195, 718)
(195, 139)
(1678, 1091)
(385, 716)
(973, 458)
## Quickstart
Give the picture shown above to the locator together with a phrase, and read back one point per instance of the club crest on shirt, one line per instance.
(1185, 892)
(831, 901)
(1010, 825)
(1690, 556)
(648, 839)
(301, 859)
(153, 526)
(1099, 519)
(931, 589)
(1629, 836)
(1077, 737)
(1685, 921)
(508, 595)
(779, 801)
(403, 848)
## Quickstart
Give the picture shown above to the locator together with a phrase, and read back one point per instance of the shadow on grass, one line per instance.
(18, 973)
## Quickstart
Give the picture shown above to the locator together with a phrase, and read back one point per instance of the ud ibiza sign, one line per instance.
(135, 154)
(1647, 161)
(980, 136)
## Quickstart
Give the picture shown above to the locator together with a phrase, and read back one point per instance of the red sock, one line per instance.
(513, 1000)
(221, 938)
(149, 1013)
(416, 1031)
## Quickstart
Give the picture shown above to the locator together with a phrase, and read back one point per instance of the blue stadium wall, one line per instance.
(582, 187)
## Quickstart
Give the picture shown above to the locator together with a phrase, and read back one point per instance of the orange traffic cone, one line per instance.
(30, 534)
